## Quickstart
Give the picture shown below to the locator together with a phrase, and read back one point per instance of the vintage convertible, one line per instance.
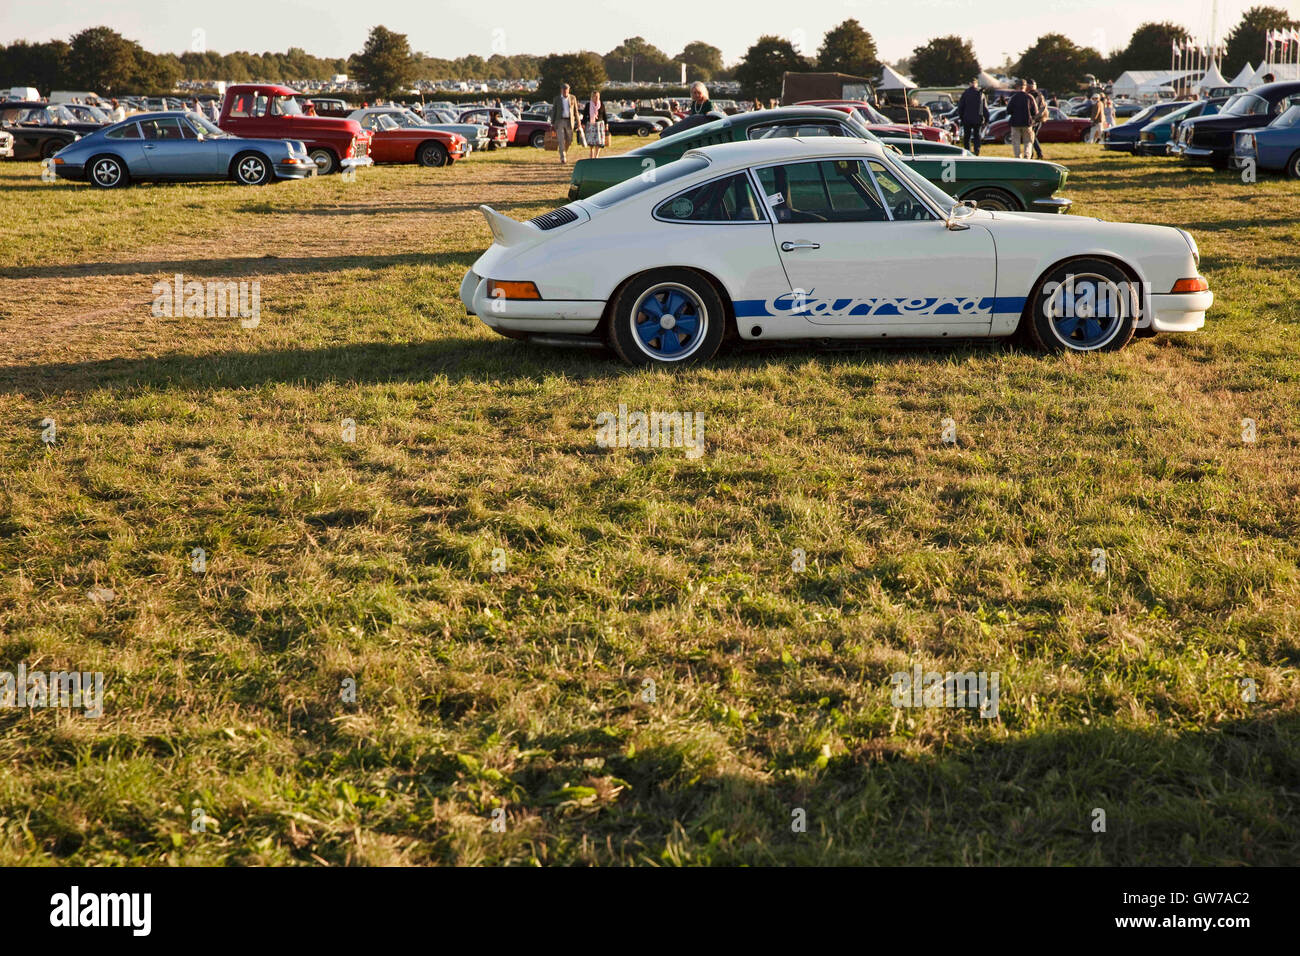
(395, 139)
(1275, 147)
(993, 182)
(178, 146)
(821, 238)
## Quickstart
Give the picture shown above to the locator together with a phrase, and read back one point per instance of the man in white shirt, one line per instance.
(564, 117)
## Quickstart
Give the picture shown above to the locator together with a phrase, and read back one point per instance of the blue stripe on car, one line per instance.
(909, 305)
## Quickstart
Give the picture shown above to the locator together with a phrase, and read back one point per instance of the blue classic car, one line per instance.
(1274, 147)
(178, 146)
(1125, 136)
(1155, 137)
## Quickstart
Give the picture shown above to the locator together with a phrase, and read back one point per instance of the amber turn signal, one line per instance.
(1198, 284)
(512, 290)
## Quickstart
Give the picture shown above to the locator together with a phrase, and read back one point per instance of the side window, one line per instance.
(902, 204)
(167, 127)
(129, 131)
(239, 108)
(259, 105)
(833, 191)
(724, 200)
(796, 129)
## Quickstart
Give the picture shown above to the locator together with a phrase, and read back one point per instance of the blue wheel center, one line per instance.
(1085, 321)
(668, 322)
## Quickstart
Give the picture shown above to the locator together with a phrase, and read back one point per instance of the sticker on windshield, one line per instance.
(775, 199)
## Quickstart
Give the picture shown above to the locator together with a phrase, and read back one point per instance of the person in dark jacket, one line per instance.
(1040, 115)
(1020, 113)
(973, 113)
(700, 102)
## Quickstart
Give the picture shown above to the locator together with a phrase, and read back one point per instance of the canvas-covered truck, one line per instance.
(271, 111)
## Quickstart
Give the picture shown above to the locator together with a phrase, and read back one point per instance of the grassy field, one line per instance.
(613, 646)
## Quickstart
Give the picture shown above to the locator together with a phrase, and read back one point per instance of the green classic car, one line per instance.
(993, 182)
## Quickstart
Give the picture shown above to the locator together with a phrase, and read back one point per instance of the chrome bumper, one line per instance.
(1053, 204)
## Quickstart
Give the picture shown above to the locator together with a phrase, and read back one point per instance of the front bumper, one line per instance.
(357, 161)
(580, 317)
(1182, 312)
(296, 170)
(1151, 149)
(1053, 204)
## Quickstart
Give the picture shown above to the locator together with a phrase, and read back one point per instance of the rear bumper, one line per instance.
(1184, 312)
(69, 171)
(529, 315)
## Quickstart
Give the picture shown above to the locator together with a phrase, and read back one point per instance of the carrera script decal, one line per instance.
(808, 305)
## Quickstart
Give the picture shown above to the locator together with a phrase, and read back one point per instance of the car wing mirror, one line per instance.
(952, 222)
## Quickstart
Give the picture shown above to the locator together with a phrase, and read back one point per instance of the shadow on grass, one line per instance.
(1220, 796)
(455, 358)
(245, 265)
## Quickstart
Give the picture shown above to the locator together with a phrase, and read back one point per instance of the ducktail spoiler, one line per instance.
(506, 231)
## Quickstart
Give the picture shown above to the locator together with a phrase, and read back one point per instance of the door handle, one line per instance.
(800, 244)
(149, 146)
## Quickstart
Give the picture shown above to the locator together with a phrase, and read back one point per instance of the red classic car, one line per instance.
(878, 123)
(1059, 128)
(393, 143)
(519, 132)
(271, 111)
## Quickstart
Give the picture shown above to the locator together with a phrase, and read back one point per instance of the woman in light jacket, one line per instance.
(595, 120)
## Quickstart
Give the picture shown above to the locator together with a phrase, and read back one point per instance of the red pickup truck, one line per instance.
(269, 111)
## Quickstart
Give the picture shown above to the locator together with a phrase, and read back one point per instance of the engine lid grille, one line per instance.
(555, 218)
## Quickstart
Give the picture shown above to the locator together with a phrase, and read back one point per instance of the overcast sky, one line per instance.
(451, 28)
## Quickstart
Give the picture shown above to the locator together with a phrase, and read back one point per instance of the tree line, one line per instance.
(102, 60)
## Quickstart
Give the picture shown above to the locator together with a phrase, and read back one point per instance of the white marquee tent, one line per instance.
(1243, 78)
(1213, 79)
(1148, 82)
(891, 79)
(1278, 72)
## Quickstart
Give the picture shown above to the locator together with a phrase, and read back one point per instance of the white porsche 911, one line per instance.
(818, 239)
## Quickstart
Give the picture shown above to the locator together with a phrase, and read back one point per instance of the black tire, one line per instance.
(1293, 165)
(1048, 326)
(107, 172)
(995, 199)
(432, 154)
(643, 131)
(325, 160)
(679, 296)
(51, 147)
(537, 140)
(251, 169)
(1006, 138)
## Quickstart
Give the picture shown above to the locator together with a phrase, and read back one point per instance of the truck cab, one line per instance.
(271, 111)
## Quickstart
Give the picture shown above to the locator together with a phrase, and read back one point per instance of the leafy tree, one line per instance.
(635, 53)
(944, 61)
(764, 63)
(1148, 48)
(583, 72)
(102, 60)
(1246, 41)
(1058, 65)
(385, 66)
(848, 48)
(42, 65)
(703, 60)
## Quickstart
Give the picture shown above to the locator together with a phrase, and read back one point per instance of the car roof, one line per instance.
(783, 149)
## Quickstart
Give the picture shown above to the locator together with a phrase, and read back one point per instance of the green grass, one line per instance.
(524, 689)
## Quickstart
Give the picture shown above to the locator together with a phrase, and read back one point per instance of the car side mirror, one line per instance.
(952, 222)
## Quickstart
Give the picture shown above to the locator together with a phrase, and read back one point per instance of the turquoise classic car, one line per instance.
(1154, 138)
(994, 182)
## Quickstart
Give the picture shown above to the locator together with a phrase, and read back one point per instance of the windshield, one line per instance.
(1142, 115)
(872, 114)
(1290, 118)
(648, 179)
(285, 106)
(1178, 114)
(860, 128)
(407, 118)
(1246, 104)
(385, 122)
(929, 190)
(205, 126)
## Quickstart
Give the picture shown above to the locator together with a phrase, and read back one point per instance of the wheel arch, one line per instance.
(730, 330)
(1124, 265)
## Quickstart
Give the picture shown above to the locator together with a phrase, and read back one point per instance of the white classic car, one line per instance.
(821, 238)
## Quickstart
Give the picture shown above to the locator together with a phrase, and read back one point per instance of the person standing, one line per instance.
(700, 102)
(973, 112)
(1098, 117)
(118, 114)
(1040, 115)
(564, 116)
(595, 119)
(1110, 111)
(1020, 113)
